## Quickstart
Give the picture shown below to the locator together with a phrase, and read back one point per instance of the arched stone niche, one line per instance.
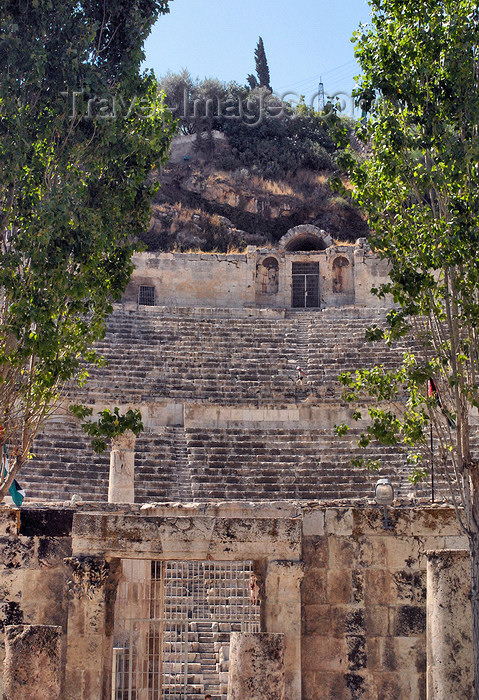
(342, 275)
(305, 237)
(267, 276)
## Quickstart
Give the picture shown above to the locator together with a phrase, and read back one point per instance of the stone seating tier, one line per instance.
(230, 361)
(221, 463)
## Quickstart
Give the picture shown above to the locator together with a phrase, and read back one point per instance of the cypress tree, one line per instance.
(262, 70)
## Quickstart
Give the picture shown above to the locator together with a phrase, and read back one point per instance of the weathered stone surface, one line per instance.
(32, 665)
(9, 521)
(92, 589)
(350, 603)
(16, 552)
(121, 486)
(188, 537)
(46, 522)
(282, 614)
(256, 667)
(10, 614)
(449, 626)
(316, 552)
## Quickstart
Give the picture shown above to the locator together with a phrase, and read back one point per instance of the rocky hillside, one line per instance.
(201, 205)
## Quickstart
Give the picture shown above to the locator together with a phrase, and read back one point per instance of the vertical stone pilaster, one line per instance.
(32, 665)
(282, 614)
(256, 667)
(92, 590)
(449, 625)
(121, 486)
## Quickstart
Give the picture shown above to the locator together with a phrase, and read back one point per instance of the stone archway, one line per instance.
(305, 237)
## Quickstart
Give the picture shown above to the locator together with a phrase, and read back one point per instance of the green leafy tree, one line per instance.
(80, 130)
(419, 187)
(109, 424)
(262, 70)
(181, 92)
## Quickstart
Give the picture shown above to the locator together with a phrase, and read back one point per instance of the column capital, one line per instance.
(91, 574)
(125, 441)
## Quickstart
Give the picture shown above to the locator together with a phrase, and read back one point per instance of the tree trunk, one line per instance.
(474, 551)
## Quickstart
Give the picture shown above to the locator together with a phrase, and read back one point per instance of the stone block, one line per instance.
(317, 619)
(408, 620)
(339, 587)
(46, 522)
(324, 654)
(376, 618)
(405, 553)
(342, 552)
(9, 521)
(43, 596)
(403, 654)
(11, 584)
(357, 657)
(357, 586)
(456, 542)
(433, 520)
(339, 521)
(314, 587)
(408, 587)
(373, 651)
(324, 685)
(52, 550)
(16, 553)
(393, 686)
(11, 613)
(368, 522)
(377, 587)
(32, 666)
(372, 552)
(316, 552)
(313, 522)
(256, 667)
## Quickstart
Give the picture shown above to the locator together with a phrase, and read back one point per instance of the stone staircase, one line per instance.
(246, 362)
(201, 603)
(289, 463)
(64, 464)
(222, 360)
(231, 361)
(214, 463)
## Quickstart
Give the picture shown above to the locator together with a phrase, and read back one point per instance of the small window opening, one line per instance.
(146, 295)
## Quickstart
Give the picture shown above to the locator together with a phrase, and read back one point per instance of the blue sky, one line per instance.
(303, 41)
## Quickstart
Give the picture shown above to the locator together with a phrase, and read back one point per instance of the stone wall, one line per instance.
(348, 596)
(188, 279)
(33, 545)
(261, 278)
(364, 601)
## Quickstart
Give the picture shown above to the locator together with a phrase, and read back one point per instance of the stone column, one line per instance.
(32, 665)
(92, 589)
(121, 486)
(449, 625)
(256, 667)
(282, 614)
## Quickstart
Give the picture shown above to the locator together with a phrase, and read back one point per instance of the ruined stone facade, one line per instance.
(347, 596)
(238, 463)
(269, 278)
